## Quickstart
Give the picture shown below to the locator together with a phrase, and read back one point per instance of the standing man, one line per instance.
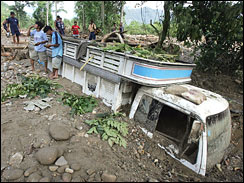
(92, 28)
(75, 30)
(57, 50)
(62, 27)
(14, 26)
(121, 29)
(40, 38)
(57, 24)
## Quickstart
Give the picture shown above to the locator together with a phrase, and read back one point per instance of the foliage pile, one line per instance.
(79, 104)
(154, 54)
(31, 86)
(111, 130)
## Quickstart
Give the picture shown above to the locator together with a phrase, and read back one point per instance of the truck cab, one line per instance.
(197, 135)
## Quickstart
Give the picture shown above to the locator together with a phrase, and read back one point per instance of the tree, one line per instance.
(221, 23)
(88, 10)
(18, 8)
(41, 12)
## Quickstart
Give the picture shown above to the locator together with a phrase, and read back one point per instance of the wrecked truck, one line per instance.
(195, 124)
(195, 134)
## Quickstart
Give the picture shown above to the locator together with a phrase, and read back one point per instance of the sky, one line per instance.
(69, 7)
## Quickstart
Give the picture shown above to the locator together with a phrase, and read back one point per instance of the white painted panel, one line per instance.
(107, 91)
(114, 56)
(79, 77)
(114, 62)
(109, 66)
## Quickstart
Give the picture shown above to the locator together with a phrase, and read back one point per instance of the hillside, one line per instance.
(145, 15)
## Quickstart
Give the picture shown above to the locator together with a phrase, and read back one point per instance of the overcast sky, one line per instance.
(69, 7)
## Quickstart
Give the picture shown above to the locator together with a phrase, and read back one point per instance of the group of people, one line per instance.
(59, 25)
(121, 29)
(41, 40)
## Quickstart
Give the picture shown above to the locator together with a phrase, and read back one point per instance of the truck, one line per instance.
(194, 124)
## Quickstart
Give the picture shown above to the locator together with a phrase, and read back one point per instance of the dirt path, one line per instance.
(27, 132)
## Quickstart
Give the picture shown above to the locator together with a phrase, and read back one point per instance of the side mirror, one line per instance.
(196, 131)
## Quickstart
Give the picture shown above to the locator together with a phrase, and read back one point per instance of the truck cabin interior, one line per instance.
(175, 127)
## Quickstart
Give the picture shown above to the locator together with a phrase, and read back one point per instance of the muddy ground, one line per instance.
(27, 132)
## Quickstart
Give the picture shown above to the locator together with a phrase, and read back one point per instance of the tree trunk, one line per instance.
(166, 23)
(122, 12)
(102, 14)
(47, 10)
(56, 9)
(83, 18)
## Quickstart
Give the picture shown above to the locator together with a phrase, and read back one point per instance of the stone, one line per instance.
(90, 171)
(59, 132)
(45, 179)
(238, 81)
(16, 159)
(66, 177)
(61, 161)
(60, 151)
(76, 179)
(34, 177)
(152, 180)
(69, 170)
(30, 171)
(97, 178)
(108, 177)
(47, 155)
(53, 168)
(12, 174)
(75, 166)
(219, 167)
(86, 135)
(62, 168)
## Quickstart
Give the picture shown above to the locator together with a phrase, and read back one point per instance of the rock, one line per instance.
(108, 177)
(16, 159)
(77, 179)
(11, 67)
(66, 177)
(152, 180)
(37, 109)
(53, 168)
(97, 178)
(47, 155)
(69, 170)
(62, 168)
(90, 171)
(60, 151)
(45, 179)
(51, 117)
(86, 135)
(12, 174)
(30, 171)
(75, 167)
(34, 177)
(61, 161)
(59, 132)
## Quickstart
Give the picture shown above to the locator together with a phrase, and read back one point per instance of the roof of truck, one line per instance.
(214, 103)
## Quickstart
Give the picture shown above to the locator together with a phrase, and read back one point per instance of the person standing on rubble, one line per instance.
(40, 38)
(92, 29)
(57, 24)
(75, 30)
(14, 26)
(57, 50)
(121, 30)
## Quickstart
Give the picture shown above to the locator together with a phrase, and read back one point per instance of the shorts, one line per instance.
(56, 62)
(92, 36)
(75, 35)
(35, 55)
(15, 31)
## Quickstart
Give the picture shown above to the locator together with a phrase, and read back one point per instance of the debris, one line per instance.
(51, 117)
(38, 103)
(69, 170)
(16, 159)
(238, 81)
(90, 171)
(34, 177)
(176, 89)
(45, 179)
(219, 167)
(23, 96)
(75, 167)
(194, 96)
(53, 168)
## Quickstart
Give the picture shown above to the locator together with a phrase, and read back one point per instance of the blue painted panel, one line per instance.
(159, 73)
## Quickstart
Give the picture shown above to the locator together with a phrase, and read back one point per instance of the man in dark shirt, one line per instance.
(14, 26)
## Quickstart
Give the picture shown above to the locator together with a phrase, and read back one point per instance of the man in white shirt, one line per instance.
(40, 38)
